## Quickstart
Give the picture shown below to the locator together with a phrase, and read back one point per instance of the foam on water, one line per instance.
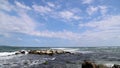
(109, 64)
(6, 53)
(74, 50)
(3, 54)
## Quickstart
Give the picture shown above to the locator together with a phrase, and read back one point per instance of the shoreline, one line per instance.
(65, 59)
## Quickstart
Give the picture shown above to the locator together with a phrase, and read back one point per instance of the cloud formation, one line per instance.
(87, 1)
(22, 6)
(106, 29)
(23, 23)
(92, 21)
(68, 15)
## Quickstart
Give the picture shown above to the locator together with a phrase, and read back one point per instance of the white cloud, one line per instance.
(91, 10)
(50, 11)
(24, 24)
(106, 29)
(51, 4)
(16, 24)
(22, 5)
(42, 9)
(109, 22)
(103, 9)
(60, 34)
(68, 15)
(87, 1)
(4, 5)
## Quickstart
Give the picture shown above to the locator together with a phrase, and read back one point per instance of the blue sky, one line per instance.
(60, 23)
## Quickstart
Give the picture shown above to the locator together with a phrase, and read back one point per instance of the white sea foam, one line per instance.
(6, 53)
(73, 50)
(26, 52)
(11, 53)
(109, 64)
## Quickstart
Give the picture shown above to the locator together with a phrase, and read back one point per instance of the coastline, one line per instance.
(74, 59)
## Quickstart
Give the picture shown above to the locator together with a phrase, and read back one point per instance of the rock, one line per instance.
(116, 66)
(68, 52)
(47, 52)
(101, 66)
(88, 64)
(20, 52)
(59, 51)
(54, 51)
(34, 52)
(38, 52)
(43, 51)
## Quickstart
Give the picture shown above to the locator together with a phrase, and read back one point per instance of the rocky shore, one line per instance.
(53, 58)
(43, 52)
(89, 64)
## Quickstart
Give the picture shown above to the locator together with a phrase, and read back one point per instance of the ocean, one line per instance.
(100, 55)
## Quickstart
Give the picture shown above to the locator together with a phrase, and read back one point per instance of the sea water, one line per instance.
(100, 55)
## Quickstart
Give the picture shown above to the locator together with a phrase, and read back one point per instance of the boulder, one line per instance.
(88, 64)
(20, 52)
(116, 66)
(33, 52)
(54, 51)
(43, 51)
(59, 51)
(47, 52)
(67, 52)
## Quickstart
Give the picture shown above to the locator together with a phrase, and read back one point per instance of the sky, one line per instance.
(60, 23)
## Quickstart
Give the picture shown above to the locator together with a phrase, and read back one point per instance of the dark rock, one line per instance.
(22, 52)
(18, 52)
(116, 66)
(88, 64)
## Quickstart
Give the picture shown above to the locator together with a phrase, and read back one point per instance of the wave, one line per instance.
(109, 64)
(6, 53)
(3, 54)
(73, 50)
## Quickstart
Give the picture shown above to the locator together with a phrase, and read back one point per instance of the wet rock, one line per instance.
(88, 64)
(59, 51)
(116, 66)
(33, 52)
(43, 51)
(17, 53)
(22, 52)
(47, 52)
(101, 66)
